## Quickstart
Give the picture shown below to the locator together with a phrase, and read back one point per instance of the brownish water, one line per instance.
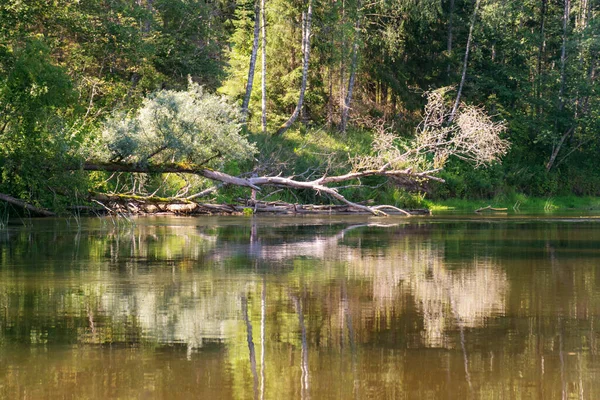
(299, 308)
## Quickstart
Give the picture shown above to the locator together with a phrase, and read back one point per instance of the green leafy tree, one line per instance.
(35, 133)
(190, 126)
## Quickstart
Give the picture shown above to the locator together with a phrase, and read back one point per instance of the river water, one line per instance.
(295, 308)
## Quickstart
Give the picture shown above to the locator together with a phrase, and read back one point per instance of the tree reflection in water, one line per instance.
(345, 311)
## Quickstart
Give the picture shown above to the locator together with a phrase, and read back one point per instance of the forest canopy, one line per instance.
(135, 81)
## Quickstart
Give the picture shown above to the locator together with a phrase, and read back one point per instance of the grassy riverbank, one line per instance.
(319, 152)
(518, 202)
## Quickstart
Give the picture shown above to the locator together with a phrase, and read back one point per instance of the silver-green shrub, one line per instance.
(190, 126)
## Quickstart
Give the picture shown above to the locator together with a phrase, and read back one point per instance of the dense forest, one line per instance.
(292, 87)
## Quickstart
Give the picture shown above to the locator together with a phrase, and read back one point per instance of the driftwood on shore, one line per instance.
(128, 204)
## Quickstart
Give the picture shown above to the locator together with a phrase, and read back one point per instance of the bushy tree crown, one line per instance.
(190, 126)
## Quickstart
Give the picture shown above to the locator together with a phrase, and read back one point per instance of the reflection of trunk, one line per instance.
(252, 353)
(348, 318)
(561, 356)
(252, 60)
(306, 58)
(348, 99)
(463, 346)
(263, 313)
(264, 66)
(465, 62)
(90, 314)
(304, 364)
(465, 355)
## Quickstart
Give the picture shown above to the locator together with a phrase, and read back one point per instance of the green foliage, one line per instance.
(35, 135)
(190, 40)
(65, 66)
(191, 126)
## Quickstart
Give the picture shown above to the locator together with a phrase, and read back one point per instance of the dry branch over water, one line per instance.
(186, 206)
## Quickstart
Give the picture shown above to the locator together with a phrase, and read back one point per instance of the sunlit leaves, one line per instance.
(188, 126)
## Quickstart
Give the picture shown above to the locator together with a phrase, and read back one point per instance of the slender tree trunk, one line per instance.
(306, 42)
(449, 43)
(303, 50)
(561, 92)
(342, 93)
(563, 55)
(252, 61)
(148, 22)
(146, 26)
(302, 115)
(353, 67)
(264, 66)
(465, 62)
(330, 78)
(556, 149)
(541, 50)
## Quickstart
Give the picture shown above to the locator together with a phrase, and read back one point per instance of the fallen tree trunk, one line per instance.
(318, 185)
(128, 204)
(26, 206)
(167, 168)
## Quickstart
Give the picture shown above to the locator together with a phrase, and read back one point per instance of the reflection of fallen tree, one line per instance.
(320, 247)
(447, 297)
(191, 296)
(465, 296)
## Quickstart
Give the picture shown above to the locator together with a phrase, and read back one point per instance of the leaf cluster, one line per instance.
(191, 126)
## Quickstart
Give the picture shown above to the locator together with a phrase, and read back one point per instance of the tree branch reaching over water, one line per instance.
(469, 134)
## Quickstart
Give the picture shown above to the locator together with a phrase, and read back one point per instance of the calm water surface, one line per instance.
(299, 308)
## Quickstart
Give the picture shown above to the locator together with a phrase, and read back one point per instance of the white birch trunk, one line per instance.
(305, 61)
(264, 67)
(351, 80)
(449, 42)
(252, 62)
(561, 92)
(465, 62)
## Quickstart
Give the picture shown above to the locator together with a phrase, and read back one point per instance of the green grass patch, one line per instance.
(518, 202)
